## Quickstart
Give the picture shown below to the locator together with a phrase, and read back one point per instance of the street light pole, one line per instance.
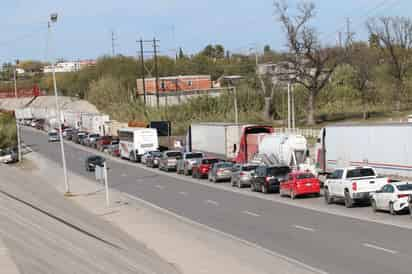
(17, 122)
(235, 103)
(53, 19)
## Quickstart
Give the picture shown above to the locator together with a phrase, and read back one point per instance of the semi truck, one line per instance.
(236, 142)
(385, 147)
(94, 123)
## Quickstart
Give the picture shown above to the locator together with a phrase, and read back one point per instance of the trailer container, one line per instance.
(386, 147)
(230, 141)
(94, 123)
(23, 114)
(72, 119)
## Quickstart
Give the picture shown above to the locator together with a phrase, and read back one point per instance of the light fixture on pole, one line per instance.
(53, 19)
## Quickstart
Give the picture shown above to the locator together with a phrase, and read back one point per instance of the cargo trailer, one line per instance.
(385, 147)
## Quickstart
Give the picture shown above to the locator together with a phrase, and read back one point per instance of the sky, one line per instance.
(84, 27)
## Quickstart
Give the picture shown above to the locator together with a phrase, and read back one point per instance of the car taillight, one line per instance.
(267, 179)
(242, 173)
(354, 186)
(403, 195)
(219, 170)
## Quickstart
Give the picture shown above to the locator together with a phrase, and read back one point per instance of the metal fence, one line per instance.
(307, 132)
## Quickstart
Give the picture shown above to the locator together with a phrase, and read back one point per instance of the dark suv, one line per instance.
(267, 179)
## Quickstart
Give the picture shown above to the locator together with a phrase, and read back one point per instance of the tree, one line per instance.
(363, 59)
(181, 54)
(312, 64)
(395, 39)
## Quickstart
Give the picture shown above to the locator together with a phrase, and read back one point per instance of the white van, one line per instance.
(134, 142)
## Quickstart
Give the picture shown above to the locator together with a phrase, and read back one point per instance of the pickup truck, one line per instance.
(353, 184)
(185, 164)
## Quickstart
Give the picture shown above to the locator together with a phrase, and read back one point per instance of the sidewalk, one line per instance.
(189, 247)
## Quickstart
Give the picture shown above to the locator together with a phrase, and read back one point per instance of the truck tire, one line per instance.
(348, 200)
(132, 157)
(328, 198)
(391, 209)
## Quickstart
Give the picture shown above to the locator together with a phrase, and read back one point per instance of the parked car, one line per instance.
(68, 133)
(152, 160)
(168, 161)
(201, 170)
(267, 179)
(91, 139)
(53, 136)
(299, 184)
(144, 157)
(353, 184)
(104, 141)
(113, 149)
(40, 124)
(78, 136)
(185, 164)
(392, 197)
(220, 171)
(241, 174)
(93, 161)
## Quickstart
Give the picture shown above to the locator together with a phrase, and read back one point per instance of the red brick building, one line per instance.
(175, 84)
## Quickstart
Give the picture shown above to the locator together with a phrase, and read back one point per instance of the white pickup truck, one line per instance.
(353, 184)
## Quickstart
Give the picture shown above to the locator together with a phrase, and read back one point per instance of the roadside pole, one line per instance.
(106, 183)
(17, 122)
(235, 103)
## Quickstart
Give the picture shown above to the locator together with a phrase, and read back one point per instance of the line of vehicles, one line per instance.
(257, 157)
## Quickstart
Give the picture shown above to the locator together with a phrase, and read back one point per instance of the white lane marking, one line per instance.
(250, 213)
(230, 236)
(212, 202)
(304, 228)
(183, 193)
(159, 187)
(380, 248)
(124, 175)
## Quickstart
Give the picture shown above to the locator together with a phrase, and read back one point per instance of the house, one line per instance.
(72, 66)
(174, 84)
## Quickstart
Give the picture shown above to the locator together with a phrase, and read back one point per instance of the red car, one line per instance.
(300, 183)
(201, 170)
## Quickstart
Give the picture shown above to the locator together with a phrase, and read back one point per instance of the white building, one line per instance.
(69, 66)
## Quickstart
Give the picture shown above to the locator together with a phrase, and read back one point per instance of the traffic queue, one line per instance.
(351, 185)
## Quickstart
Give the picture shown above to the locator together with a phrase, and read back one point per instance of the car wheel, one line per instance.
(328, 198)
(373, 204)
(292, 194)
(252, 187)
(348, 200)
(239, 184)
(391, 209)
(232, 182)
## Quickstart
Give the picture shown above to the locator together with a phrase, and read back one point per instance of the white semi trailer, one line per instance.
(385, 147)
(94, 123)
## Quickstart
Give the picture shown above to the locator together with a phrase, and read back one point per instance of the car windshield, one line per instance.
(278, 171)
(115, 142)
(209, 161)
(93, 135)
(249, 168)
(360, 172)
(405, 187)
(305, 176)
(194, 155)
(173, 154)
(156, 153)
(53, 134)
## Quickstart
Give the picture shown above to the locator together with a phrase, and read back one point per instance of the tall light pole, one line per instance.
(17, 122)
(53, 19)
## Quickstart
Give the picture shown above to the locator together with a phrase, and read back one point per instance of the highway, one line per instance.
(322, 242)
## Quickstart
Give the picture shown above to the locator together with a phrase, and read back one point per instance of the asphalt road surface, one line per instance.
(323, 242)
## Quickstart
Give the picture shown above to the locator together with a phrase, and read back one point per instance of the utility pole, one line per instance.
(289, 107)
(113, 44)
(293, 107)
(156, 70)
(142, 70)
(17, 122)
(349, 34)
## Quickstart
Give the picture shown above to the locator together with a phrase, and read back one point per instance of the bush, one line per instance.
(8, 132)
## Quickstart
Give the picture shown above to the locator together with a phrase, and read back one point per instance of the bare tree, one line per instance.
(394, 36)
(312, 63)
